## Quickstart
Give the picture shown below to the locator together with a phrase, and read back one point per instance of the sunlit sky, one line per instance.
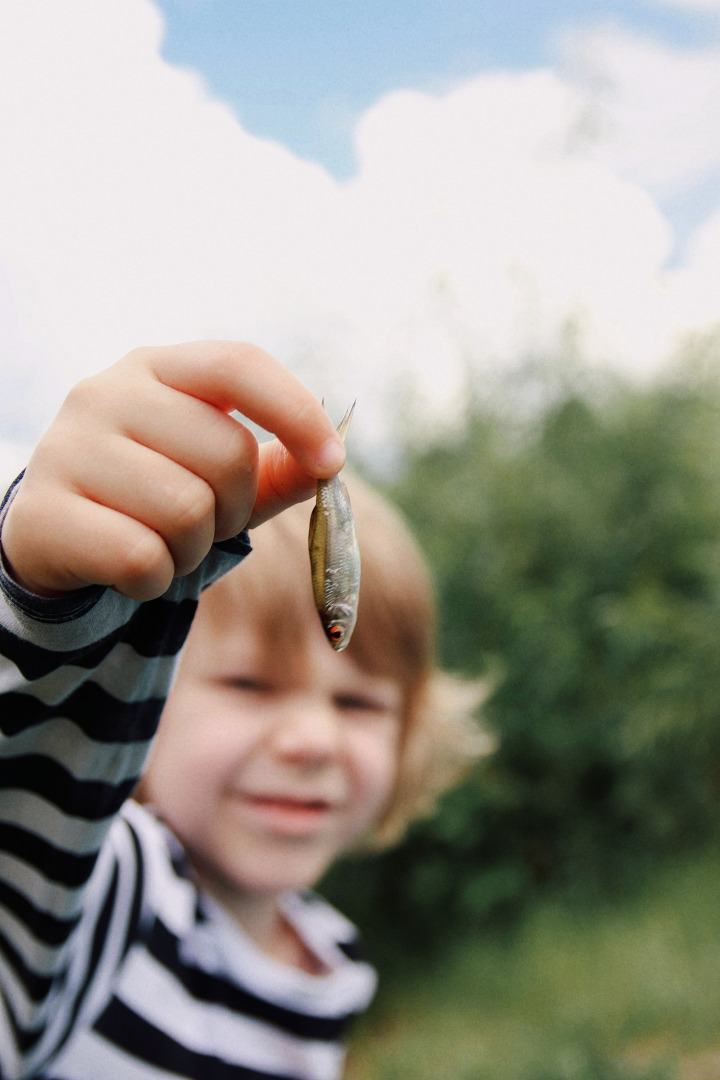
(380, 193)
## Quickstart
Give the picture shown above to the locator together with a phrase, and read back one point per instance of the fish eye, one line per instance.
(335, 634)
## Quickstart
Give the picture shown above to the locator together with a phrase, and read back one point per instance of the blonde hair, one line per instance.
(394, 636)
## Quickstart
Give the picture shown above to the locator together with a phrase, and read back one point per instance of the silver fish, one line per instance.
(335, 556)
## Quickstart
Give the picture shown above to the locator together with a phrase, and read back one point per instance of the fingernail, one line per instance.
(331, 457)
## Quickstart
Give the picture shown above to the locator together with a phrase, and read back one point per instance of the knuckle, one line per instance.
(84, 395)
(241, 449)
(221, 357)
(140, 356)
(145, 568)
(139, 353)
(93, 400)
(193, 505)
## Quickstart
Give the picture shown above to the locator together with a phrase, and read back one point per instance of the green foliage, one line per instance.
(574, 533)
(629, 991)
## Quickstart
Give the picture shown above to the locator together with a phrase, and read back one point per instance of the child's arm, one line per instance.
(85, 671)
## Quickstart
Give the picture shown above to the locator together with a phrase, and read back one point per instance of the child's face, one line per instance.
(267, 765)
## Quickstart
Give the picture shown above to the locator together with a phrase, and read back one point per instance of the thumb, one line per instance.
(281, 482)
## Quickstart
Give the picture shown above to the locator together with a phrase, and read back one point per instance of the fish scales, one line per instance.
(335, 556)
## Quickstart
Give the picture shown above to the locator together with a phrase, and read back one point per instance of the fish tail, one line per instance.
(344, 424)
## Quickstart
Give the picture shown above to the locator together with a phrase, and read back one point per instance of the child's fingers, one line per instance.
(235, 375)
(159, 493)
(210, 445)
(91, 543)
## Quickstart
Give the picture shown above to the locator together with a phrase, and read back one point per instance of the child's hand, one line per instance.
(143, 468)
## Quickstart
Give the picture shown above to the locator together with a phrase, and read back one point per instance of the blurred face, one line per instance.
(271, 762)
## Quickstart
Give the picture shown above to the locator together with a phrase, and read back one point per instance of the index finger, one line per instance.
(236, 375)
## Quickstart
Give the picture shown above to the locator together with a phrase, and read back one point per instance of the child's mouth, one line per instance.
(287, 814)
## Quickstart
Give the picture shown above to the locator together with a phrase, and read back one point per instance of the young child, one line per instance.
(173, 935)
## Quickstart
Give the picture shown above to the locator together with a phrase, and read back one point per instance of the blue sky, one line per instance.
(301, 71)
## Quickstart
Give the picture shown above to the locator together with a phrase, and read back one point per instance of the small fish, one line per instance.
(335, 556)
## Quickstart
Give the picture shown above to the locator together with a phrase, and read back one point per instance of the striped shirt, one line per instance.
(112, 963)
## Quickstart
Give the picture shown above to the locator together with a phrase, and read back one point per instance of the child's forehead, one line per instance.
(272, 626)
(249, 642)
(270, 593)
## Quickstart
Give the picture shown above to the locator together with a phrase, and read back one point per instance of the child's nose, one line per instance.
(308, 731)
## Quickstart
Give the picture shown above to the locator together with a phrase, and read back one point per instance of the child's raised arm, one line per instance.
(143, 468)
(141, 471)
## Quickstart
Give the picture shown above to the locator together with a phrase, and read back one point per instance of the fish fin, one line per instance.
(344, 424)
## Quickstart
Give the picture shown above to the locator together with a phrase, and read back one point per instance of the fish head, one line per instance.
(338, 623)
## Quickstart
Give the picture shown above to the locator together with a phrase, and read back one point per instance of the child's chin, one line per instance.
(289, 874)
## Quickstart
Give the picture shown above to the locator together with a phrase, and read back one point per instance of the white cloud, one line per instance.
(652, 111)
(134, 208)
(471, 224)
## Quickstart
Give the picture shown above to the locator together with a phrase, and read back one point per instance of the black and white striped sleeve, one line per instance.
(82, 683)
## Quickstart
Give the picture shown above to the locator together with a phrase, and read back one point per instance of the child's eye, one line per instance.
(358, 703)
(249, 684)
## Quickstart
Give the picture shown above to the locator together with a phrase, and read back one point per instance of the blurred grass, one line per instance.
(623, 992)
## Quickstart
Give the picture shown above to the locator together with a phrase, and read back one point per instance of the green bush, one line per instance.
(574, 533)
